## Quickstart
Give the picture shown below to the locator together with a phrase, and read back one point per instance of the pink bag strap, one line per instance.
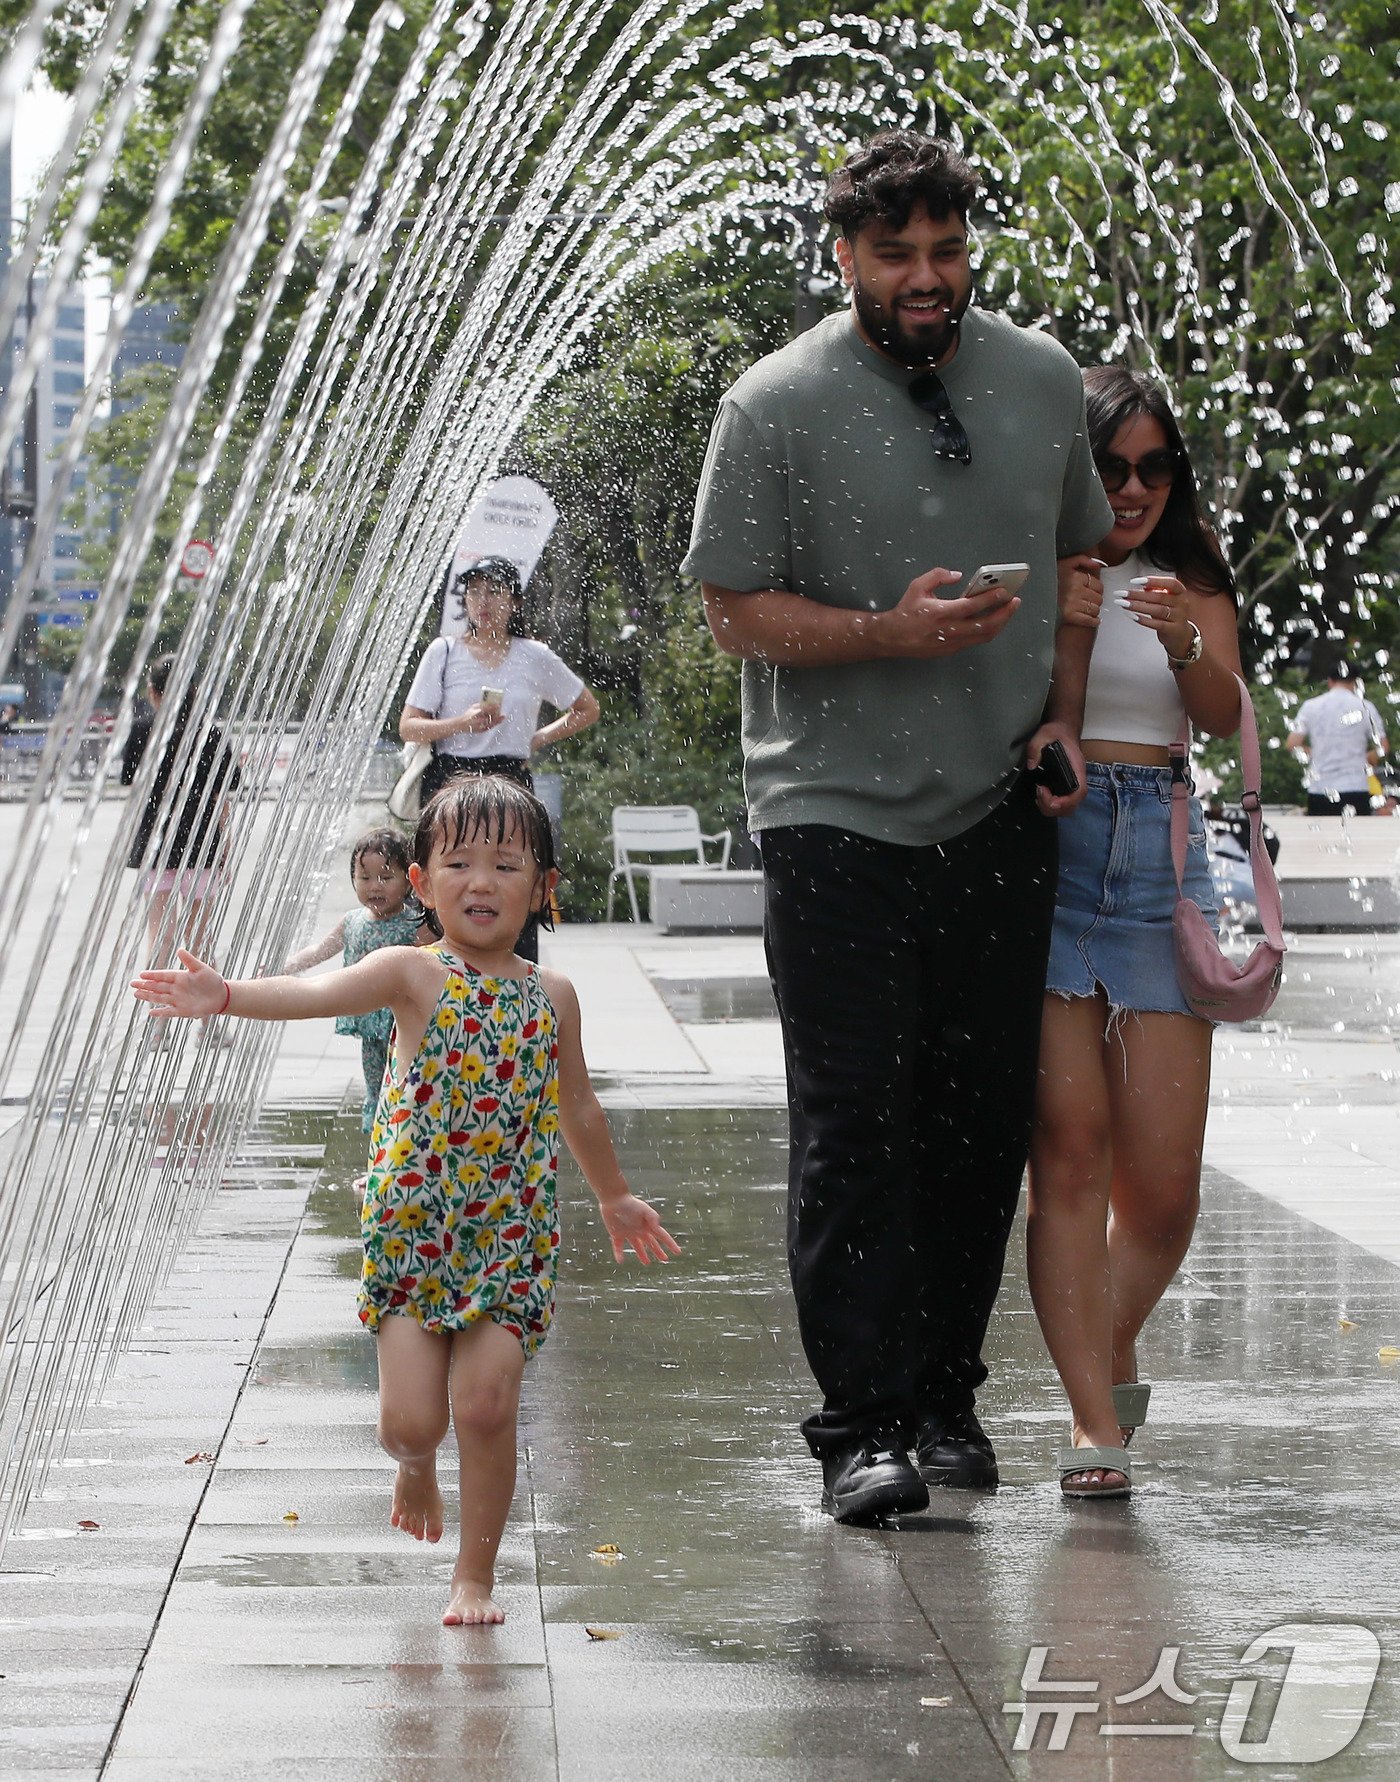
(1266, 893)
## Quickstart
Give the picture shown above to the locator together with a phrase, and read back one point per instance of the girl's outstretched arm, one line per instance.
(317, 952)
(400, 978)
(630, 1220)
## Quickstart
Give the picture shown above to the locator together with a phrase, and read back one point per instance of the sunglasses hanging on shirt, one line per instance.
(1155, 470)
(949, 435)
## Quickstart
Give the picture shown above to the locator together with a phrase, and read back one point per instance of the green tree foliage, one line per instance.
(1207, 192)
(1281, 773)
(236, 133)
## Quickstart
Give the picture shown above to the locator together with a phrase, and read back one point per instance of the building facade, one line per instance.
(63, 584)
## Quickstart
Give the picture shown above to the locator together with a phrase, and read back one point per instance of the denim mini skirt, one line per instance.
(1117, 891)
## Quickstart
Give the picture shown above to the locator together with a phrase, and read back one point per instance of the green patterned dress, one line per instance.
(459, 1219)
(365, 934)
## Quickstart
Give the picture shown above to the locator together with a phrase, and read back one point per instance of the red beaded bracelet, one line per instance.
(228, 998)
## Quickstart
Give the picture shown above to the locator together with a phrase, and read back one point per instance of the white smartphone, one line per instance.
(493, 697)
(997, 575)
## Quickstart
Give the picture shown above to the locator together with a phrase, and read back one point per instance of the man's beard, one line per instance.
(885, 329)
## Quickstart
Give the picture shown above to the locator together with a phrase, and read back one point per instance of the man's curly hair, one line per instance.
(895, 171)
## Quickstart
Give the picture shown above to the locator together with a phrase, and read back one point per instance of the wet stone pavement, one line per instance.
(243, 1609)
(752, 1637)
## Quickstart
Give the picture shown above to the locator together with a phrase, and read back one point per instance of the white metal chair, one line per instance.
(659, 829)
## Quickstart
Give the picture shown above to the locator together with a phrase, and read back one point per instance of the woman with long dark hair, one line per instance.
(1124, 1064)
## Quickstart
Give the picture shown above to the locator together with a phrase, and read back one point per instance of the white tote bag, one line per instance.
(406, 799)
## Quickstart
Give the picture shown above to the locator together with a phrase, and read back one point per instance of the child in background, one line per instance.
(390, 916)
(459, 1224)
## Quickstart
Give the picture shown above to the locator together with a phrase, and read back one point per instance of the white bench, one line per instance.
(725, 902)
(1337, 872)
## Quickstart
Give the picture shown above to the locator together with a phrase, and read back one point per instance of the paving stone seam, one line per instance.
(179, 1557)
(539, 1598)
(995, 1734)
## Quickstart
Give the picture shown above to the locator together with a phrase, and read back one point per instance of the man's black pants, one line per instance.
(909, 983)
(1332, 804)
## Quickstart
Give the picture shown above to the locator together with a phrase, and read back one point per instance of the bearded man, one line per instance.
(855, 481)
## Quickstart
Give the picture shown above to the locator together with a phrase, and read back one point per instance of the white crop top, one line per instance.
(1132, 695)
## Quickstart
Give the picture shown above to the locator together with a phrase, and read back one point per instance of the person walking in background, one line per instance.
(854, 483)
(389, 916)
(1124, 1065)
(192, 853)
(476, 697)
(1342, 737)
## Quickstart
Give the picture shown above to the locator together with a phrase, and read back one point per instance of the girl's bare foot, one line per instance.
(471, 1604)
(417, 1501)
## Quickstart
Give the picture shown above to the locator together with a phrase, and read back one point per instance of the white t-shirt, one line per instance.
(1340, 726)
(1132, 695)
(530, 675)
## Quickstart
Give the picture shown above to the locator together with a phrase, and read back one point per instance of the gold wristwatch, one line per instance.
(1193, 651)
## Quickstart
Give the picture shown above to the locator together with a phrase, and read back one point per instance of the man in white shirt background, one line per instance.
(1343, 737)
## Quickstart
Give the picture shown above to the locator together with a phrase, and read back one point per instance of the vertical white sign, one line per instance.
(512, 518)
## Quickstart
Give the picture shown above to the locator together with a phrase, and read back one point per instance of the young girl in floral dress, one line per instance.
(459, 1224)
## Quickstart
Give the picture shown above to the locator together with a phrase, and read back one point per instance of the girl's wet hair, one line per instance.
(489, 805)
(1182, 542)
(387, 842)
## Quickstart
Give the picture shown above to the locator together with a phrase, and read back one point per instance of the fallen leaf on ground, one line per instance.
(1345, 1324)
(291, 1516)
(89, 1525)
(603, 1633)
(606, 1547)
(194, 1459)
(608, 1554)
(935, 1701)
(251, 1441)
(1389, 1353)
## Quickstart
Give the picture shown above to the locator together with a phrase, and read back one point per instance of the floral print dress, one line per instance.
(459, 1219)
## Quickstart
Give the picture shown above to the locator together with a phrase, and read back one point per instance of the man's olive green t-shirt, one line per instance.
(821, 479)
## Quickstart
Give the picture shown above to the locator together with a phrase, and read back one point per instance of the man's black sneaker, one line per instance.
(867, 1483)
(955, 1451)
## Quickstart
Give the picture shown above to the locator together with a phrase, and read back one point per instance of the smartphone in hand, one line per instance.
(1055, 772)
(997, 575)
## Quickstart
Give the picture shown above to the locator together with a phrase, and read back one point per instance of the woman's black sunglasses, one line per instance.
(949, 435)
(1155, 470)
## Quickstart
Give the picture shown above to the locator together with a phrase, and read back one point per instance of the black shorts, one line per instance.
(443, 768)
(1332, 804)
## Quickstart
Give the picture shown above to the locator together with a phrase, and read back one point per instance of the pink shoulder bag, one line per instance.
(1216, 988)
